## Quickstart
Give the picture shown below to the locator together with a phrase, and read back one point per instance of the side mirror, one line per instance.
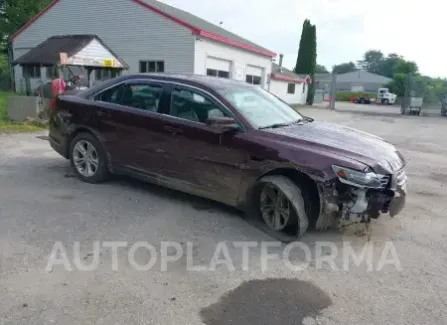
(222, 123)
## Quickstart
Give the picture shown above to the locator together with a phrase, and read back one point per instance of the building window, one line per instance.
(291, 88)
(33, 71)
(51, 72)
(254, 80)
(106, 74)
(152, 66)
(217, 73)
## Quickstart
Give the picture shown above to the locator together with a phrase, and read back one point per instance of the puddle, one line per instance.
(270, 302)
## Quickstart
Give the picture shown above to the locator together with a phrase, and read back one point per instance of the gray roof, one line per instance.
(361, 76)
(323, 76)
(200, 23)
(286, 72)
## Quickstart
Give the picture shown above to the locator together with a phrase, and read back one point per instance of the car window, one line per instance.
(142, 96)
(194, 106)
(110, 95)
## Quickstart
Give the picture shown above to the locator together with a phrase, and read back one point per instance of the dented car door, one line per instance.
(205, 161)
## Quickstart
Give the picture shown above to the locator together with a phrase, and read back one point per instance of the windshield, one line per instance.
(261, 108)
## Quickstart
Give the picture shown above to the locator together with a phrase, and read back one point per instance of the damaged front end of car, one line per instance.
(354, 197)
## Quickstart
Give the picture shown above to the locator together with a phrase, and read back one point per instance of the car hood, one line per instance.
(344, 141)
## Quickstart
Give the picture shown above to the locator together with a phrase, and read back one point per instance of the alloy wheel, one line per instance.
(275, 208)
(85, 158)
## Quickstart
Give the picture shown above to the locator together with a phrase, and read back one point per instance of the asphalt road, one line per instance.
(41, 204)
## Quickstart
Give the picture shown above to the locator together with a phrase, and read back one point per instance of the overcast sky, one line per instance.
(345, 28)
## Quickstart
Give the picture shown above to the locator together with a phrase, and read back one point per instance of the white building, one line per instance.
(287, 85)
(150, 36)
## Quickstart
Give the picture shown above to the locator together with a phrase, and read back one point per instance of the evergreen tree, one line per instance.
(312, 63)
(306, 62)
(300, 66)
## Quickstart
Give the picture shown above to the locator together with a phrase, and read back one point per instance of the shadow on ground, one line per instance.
(270, 301)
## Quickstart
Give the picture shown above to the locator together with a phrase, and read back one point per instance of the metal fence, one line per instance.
(430, 95)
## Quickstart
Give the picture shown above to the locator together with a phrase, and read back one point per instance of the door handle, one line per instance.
(173, 130)
(103, 114)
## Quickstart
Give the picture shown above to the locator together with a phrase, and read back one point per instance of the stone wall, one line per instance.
(21, 108)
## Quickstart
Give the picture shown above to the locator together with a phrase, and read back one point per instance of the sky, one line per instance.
(345, 28)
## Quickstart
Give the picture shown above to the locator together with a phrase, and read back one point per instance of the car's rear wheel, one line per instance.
(88, 159)
(281, 205)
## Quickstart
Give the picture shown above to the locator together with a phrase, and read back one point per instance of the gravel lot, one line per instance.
(41, 203)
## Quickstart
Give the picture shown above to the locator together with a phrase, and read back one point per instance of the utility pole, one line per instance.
(407, 93)
(333, 91)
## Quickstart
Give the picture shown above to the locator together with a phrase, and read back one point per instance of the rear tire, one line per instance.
(88, 159)
(297, 222)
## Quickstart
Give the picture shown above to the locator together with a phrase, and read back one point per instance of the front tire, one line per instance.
(88, 159)
(281, 205)
(386, 102)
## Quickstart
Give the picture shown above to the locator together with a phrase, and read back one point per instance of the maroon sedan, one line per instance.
(230, 142)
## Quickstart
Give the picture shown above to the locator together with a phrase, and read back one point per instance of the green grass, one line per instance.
(7, 126)
(4, 106)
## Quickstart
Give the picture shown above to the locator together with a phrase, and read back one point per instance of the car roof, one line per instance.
(211, 83)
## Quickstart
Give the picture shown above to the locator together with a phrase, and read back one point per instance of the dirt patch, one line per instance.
(270, 301)
(426, 194)
(439, 177)
(65, 197)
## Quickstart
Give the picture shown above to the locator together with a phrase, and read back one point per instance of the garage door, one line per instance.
(217, 67)
(253, 75)
(254, 71)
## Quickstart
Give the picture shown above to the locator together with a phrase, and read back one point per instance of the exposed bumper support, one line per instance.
(355, 204)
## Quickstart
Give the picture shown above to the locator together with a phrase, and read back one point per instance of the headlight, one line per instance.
(361, 179)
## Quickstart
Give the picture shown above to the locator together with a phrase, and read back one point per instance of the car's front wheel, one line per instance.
(88, 159)
(281, 205)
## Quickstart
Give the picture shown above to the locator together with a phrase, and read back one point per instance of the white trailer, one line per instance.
(414, 107)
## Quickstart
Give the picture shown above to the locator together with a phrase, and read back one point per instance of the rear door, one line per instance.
(131, 123)
(207, 162)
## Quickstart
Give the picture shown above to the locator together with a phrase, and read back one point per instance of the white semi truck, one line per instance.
(385, 97)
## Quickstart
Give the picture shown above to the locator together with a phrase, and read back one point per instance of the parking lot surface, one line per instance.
(42, 204)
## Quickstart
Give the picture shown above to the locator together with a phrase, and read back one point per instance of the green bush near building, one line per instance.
(345, 96)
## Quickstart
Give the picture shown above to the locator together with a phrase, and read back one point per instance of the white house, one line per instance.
(150, 36)
(287, 85)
